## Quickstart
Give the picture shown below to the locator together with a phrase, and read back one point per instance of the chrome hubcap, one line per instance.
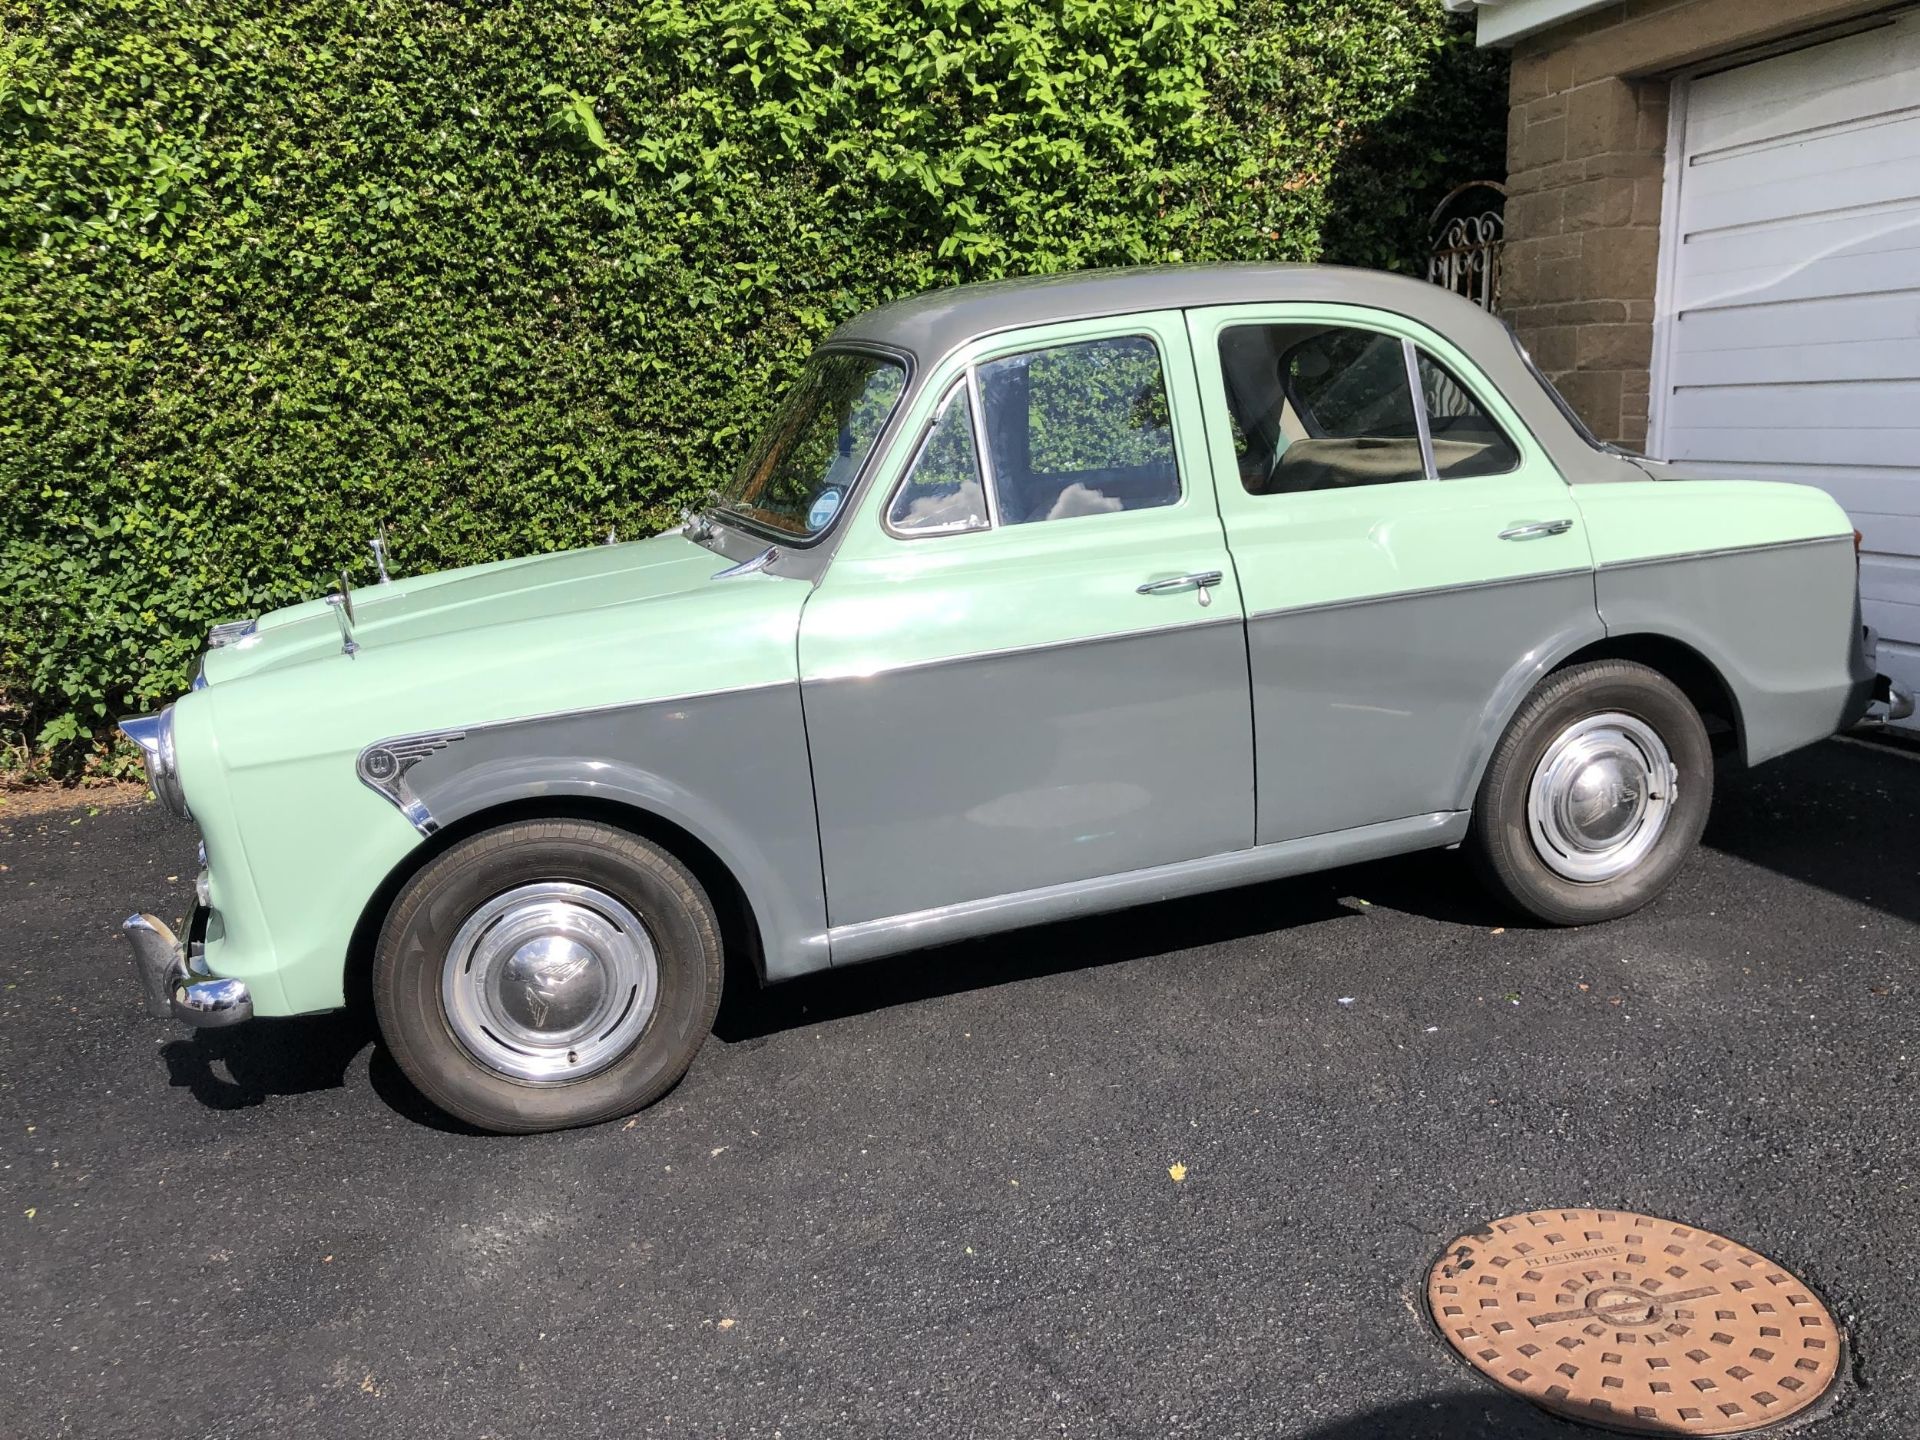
(550, 982)
(1600, 797)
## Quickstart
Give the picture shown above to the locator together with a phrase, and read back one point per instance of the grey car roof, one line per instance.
(931, 325)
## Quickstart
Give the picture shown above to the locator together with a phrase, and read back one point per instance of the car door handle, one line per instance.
(1536, 529)
(1205, 581)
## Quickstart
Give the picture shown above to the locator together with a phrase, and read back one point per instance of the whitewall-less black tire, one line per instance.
(546, 974)
(1595, 795)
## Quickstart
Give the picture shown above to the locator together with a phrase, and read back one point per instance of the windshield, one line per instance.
(798, 474)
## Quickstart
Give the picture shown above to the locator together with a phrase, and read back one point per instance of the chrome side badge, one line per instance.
(383, 766)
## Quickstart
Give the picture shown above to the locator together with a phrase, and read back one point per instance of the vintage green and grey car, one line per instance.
(1037, 598)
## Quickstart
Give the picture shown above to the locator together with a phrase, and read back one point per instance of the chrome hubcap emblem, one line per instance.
(1600, 798)
(550, 982)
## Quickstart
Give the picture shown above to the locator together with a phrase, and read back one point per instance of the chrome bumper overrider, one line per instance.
(1890, 702)
(174, 975)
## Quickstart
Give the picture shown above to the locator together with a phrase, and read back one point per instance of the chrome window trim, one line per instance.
(1474, 394)
(1417, 398)
(983, 450)
(913, 463)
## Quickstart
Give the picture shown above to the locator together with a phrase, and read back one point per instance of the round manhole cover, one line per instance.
(1635, 1323)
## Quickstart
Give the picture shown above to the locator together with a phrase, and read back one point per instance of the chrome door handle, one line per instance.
(1536, 529)
(1205, 581)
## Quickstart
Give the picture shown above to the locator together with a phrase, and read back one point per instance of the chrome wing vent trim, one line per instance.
(383, 766)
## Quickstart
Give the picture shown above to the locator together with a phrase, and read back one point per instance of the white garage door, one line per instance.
(1789, 340)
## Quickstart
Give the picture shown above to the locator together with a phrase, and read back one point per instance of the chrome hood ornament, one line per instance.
(342, 602)
(378, 545)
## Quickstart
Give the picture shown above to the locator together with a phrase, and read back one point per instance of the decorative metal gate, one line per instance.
(1467, 232)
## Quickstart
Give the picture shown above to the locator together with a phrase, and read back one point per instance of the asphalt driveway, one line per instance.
(933, 1197)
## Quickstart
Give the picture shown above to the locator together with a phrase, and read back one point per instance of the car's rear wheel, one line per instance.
(547, 974)
(1595, 795)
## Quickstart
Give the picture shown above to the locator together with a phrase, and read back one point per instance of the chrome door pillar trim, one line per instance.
(1417, 397)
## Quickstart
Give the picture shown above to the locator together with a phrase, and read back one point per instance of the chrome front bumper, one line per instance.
(174, 975)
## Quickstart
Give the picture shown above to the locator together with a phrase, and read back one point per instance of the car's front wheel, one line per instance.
(547, 974)
(1595, 795)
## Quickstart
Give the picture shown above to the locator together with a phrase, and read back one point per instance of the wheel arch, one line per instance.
(741, 928)
(1697, 677)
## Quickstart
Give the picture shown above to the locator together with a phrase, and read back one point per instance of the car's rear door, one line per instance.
(1408, 555)
(1025, 666)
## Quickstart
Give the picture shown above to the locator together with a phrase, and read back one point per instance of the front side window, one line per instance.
(1079, 429)
(1319, 407)
(798, 475)
(942, 494)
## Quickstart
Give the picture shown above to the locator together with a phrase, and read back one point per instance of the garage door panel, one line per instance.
(1868, 405)
(1825, 85)
(1780, 445)
(1817, 320)
(1879, 230)
(1789, 338)
(1839, 360)
(1779, 186)
(1816, 279)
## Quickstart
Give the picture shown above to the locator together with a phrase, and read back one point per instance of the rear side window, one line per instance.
(1079, 429)
(1319, 407)
(1327, 407)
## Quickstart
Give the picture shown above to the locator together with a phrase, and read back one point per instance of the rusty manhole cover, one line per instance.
(1635, 1323)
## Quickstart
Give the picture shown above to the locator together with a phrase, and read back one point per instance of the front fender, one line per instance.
(729, 769)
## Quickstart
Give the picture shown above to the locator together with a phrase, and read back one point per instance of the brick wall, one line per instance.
(1586, 158)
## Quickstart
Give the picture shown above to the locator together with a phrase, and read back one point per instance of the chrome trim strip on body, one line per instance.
(892, 934)
(1035, 648)
(1727, 553)
(1426, 593)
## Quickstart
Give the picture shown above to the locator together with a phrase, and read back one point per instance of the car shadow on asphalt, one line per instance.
(1841, 817)
(293, 1056)
(1460, 1415)
(1434, 884)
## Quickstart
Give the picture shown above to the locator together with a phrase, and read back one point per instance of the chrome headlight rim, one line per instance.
(154, 735)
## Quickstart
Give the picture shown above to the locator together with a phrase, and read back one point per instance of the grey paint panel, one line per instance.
(729, 768)
(1389, 706)
(995, 774)
(1780, 623)
(937, 926)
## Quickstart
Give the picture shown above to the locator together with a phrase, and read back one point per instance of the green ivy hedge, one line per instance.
(505, 275)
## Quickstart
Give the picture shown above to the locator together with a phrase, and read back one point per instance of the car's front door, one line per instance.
(1408, 555)
(1025, 666)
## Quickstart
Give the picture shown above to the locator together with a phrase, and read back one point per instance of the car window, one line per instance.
(1079, 429)
(1466, 440)
(941, 493)
(801, 469)
(1319, 407)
